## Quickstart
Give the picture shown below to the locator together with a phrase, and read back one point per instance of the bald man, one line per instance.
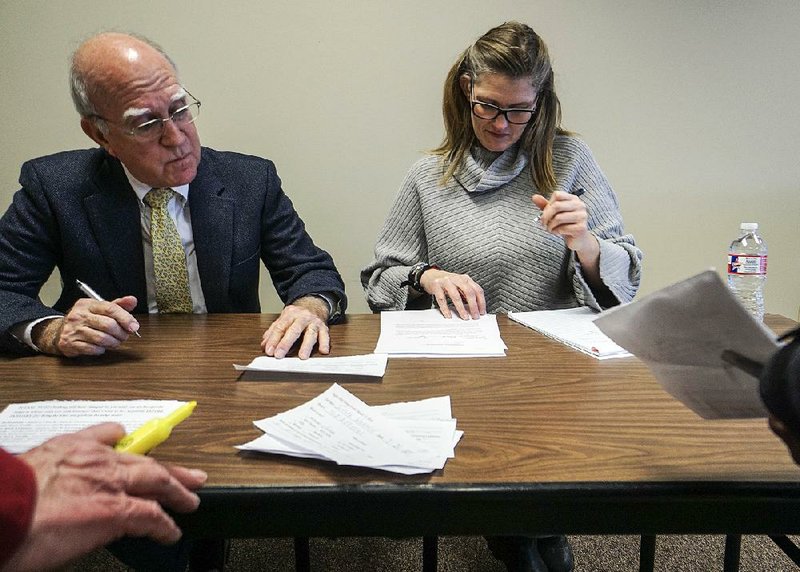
(95, 215)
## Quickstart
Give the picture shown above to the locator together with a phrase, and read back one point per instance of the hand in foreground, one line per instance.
(791, 440)
(89, 495)
(306, 317)
(465, 294)
(90, 328)
(565, 215)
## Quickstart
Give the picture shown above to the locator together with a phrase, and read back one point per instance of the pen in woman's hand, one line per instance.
(576, 193)
(89, 291)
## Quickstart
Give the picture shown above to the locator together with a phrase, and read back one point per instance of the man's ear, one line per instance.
(96, 134)
(464, 82)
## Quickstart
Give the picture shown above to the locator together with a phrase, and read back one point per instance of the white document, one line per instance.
(338, 426)
(681, 331)
(428, 420)
(573, 327)
(24, 426)
(371, 365)
(426, 333)
(431, 408)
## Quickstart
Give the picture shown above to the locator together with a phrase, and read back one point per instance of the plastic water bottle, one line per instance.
(747, 268)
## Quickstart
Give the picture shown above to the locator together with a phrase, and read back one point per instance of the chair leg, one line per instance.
(430, 553)
(789, 548)
(302, 554)
(647, 552)
(733, 549)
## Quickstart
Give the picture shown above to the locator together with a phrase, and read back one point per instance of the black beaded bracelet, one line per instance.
(415, 275)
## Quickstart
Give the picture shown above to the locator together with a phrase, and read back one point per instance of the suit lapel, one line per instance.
(212, 226)
(113, 213)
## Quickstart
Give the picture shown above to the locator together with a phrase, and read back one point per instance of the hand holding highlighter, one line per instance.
(154, 432)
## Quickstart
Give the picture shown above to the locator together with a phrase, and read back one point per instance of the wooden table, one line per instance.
(555, 441)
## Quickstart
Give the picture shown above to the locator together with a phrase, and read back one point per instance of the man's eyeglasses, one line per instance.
(154, 128)
(489, 111)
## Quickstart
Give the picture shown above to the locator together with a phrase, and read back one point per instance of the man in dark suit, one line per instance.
(89, 214)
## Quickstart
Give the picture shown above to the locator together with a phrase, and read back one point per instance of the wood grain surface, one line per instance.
(545, 413)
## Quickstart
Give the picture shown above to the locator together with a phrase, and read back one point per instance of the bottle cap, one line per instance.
(749, 226)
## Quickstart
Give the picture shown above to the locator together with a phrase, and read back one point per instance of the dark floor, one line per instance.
(469, 554)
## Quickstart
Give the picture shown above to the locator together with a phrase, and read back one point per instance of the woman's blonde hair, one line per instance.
(516, 51)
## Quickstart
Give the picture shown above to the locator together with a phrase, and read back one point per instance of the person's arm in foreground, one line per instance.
(89, 495)
(779, 386)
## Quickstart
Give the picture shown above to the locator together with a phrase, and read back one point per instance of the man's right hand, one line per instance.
(90, 328)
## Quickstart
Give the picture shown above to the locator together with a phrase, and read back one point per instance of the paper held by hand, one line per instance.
(681, 332)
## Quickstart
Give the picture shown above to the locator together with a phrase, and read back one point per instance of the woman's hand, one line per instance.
(464, 293)
(565, 215)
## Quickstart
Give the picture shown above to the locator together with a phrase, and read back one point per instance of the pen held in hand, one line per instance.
(89, 291)
(577, 193)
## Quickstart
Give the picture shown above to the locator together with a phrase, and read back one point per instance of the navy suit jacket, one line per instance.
(77, 211)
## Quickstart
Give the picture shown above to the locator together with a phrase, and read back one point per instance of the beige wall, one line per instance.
(691, 107)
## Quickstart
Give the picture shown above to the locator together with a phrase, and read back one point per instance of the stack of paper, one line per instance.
(426, 333)
(573, 327)
(408, 438)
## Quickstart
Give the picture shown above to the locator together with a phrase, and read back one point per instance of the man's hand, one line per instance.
(90, 495)
(90, 328)
(306, 317)
(465, 294)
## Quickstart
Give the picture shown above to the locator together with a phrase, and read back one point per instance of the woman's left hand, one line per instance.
(565, 215)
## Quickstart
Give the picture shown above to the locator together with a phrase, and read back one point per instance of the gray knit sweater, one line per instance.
(481, 223)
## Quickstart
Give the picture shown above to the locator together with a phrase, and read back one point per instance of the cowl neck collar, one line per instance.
(485, 170)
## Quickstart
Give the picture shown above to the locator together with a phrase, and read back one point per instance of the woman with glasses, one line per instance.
(510, 213)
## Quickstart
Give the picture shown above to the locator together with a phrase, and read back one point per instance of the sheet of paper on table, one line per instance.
(681, 331)
(339, 427)
(426, 333)
(26, 425)
(573, 327)
(368, 366)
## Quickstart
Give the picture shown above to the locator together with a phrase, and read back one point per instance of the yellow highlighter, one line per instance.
(154, 432)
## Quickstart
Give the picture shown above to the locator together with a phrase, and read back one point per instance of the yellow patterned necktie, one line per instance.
(169, 259)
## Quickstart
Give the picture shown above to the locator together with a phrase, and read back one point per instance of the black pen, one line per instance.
(89, 291)
(577, 193)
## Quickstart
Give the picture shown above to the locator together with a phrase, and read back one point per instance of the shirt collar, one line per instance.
(141, 189)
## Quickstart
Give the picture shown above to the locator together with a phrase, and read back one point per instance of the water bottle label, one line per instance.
(747, 264)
